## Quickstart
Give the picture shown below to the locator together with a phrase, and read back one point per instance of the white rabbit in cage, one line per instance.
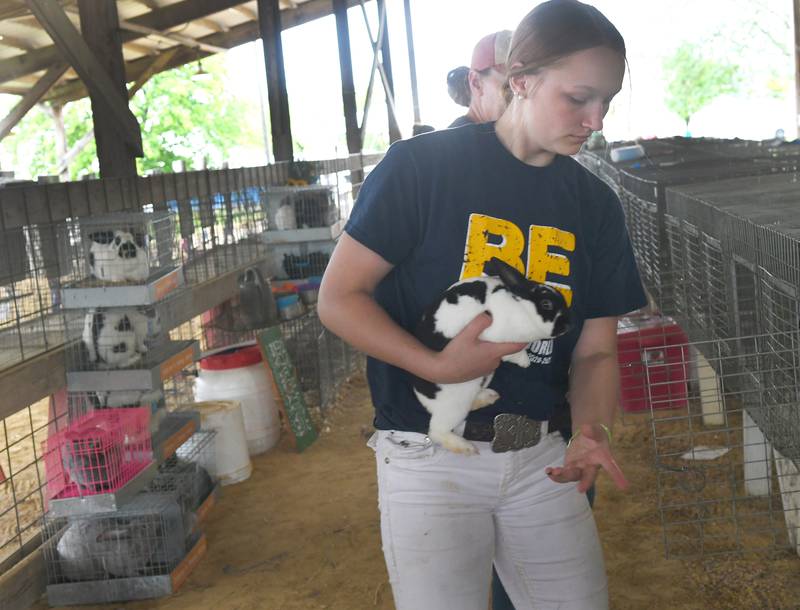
(76, 560)
(117, 338)
(285, 218)
(119, 256)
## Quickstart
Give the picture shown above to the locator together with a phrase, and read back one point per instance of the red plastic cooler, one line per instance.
(653, 363)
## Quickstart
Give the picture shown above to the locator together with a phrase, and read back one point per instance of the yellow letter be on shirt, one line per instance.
(541, 261)
(479, 251)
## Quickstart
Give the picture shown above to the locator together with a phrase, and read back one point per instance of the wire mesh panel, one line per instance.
(184, 477)
(715, 264)
(22, 477)
(697, 320)
(144, 538)
(222, 231)
(301, 336)
(673, 294)
(717, 490)
(29, 293)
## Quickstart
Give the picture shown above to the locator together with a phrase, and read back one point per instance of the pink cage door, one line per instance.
(98, 453)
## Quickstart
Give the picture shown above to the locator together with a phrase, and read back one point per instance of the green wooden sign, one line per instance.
(283, 372)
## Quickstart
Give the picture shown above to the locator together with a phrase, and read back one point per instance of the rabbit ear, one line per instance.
(102, 237)
(508, 274)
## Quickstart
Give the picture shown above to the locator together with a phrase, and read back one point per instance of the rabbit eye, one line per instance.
(117, 240)
(546, 304)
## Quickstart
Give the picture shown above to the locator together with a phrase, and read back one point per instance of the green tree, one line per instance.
(187, 117)
(694, 80)
(183, 117)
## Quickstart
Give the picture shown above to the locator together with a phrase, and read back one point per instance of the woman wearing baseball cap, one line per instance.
(480, 87)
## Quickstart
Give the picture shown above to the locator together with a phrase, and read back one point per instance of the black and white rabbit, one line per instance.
(119, 256)
(522, 312)
(117, 338)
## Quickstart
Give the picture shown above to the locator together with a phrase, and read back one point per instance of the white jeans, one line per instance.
(445, 517)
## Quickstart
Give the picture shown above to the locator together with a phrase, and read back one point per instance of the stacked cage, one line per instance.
(720, 376)
(124, 278)
(130, 553)
(644, 189)
(303, 222)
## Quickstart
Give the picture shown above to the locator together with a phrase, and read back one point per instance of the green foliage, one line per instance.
(182, 118)
(694, 81)
(186, 118)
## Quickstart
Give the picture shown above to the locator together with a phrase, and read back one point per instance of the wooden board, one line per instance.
(293, 404)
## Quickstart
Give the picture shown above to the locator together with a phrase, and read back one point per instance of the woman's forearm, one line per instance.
(594, 389)
(360, 321)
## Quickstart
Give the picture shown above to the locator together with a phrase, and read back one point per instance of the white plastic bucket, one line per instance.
(239, 374)
(230, 462)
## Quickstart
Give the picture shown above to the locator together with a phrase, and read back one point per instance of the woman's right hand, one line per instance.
(468, 357)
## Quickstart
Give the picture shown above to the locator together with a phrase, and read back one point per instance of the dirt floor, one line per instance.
(302, 533)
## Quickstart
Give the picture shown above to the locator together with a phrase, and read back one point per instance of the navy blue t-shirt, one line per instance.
(441, 204)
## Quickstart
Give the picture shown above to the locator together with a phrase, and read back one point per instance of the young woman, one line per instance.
(433, 212)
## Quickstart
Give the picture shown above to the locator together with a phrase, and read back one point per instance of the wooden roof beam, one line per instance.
(171, 37)
(240, 34)
(15, 42)
(30, 99)
(161, 20)
(72, 45)
(243, 10)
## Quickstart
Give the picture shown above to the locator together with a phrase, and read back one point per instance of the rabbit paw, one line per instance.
(519, 358)
(484, 398)
(453, 442)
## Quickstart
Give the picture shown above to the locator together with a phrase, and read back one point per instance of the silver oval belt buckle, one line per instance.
(514, 432)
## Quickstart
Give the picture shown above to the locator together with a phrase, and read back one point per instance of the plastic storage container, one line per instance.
(238, 374)
(652, 354)
(230, 462)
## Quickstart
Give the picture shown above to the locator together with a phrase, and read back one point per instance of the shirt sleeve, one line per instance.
(615, 287)
(386, 216)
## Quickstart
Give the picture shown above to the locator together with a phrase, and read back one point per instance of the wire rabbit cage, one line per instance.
(184, 476)
(119, 248)
(727, 453)
(110, 338)
(97, 453)
(128, 554)
(301, 207)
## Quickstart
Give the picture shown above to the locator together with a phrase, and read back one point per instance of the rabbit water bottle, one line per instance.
(238, 373)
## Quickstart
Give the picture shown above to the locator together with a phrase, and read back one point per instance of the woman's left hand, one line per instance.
(588, 452)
